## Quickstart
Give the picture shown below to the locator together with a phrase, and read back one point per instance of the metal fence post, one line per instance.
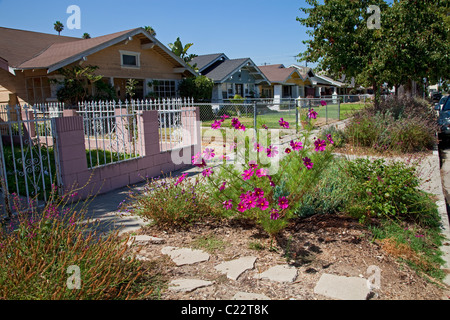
(296, 115)
(339, 110)
(254, 114)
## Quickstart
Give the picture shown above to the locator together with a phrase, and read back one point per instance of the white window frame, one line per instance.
(130, 53)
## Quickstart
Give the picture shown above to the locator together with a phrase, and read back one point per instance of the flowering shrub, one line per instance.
(253, 190)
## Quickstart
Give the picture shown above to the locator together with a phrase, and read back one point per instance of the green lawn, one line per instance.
(271, 119)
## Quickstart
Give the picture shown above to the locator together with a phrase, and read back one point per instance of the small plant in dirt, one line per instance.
(38, 247)
(171, 201)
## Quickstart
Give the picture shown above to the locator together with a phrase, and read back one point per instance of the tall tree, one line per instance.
(342, 43)
(58, 26)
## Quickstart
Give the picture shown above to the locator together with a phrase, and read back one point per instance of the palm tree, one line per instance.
(86, 36)
(58, 26)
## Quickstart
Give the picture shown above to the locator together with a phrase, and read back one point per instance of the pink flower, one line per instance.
(312, 114)
(198, 161)
(257, 147)
(250, 201)
(330, 139)
(207, 172)
(224, 117)
(241, 127)
(252, 164)
(262, 172)
(283, 123)
(180, 179)
(272, 151)
(258, 193)
(247, 174)
(308, 164)
(242, 207)
(265, 127)
(262, 204)
(216, 125)
(283, 203)
(296, 145)
(235, 122)
(222, 187)
(323, 103)
(288, 151)
(209, 154)
(274, 214)
(228, 204)
(320, 145)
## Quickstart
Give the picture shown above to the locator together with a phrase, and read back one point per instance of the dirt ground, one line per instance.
(320, 244)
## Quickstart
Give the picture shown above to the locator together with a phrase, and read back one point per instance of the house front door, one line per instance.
(240, 89)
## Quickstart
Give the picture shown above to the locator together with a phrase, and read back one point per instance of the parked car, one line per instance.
(444, 118)
(441, 103)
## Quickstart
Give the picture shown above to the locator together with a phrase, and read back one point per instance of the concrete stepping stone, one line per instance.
(249, 296)
(188, 285)
(280, 273)
(185, 256)
(143, 239)
(235, 268)
(342, 288)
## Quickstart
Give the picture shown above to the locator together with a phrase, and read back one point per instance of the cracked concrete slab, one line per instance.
(185, 256)
(342, 288)
(280, 273)
(235, 268)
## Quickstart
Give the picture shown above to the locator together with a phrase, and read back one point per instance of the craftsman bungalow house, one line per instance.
(231, 76)
(30, 60)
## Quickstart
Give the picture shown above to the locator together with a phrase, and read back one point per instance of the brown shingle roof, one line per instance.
(277, 72)
(18, 46)
(59, 52)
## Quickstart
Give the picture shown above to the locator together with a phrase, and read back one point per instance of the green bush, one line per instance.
(38, 246)
(382, 189)
(399, 124)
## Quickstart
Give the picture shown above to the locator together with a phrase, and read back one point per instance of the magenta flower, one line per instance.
(207, 172)
(250, 201)
(198, 161)
(262, 204)
(272, 151)
(241, 207)
(308, 164)
(247, 174)
(180, 179)
(224, 117)
(258, 193)
(283, 123)
(235, 122)
(241, 127)
(257, 147)
(265, 127)
(222, 187)
(274, 214)
(262, 172)
(228, 204)
(288, 151)
(320, 145)
(323, 103)
(283, 203)
(216, 125)
(253, 164)
(209, 154)
(312, 114)
(330, 139)
(296, 145)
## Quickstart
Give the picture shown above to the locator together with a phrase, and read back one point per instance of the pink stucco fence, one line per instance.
(152, 160)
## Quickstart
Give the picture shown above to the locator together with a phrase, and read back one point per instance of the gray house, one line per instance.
(230, 76)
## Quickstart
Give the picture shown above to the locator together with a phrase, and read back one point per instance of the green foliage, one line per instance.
(199, 88)
(58, 26)
(181, 51)
(38, 247)
(388, 190)
(398, 124)
(75, 84)
(170, 202)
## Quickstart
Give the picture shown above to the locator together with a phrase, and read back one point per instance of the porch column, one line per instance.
(277, 94)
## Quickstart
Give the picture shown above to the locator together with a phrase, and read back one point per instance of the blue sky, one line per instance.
(265, 31)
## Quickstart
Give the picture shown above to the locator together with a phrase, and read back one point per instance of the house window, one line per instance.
(130, 59)
(38, 89)
(165, 88)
